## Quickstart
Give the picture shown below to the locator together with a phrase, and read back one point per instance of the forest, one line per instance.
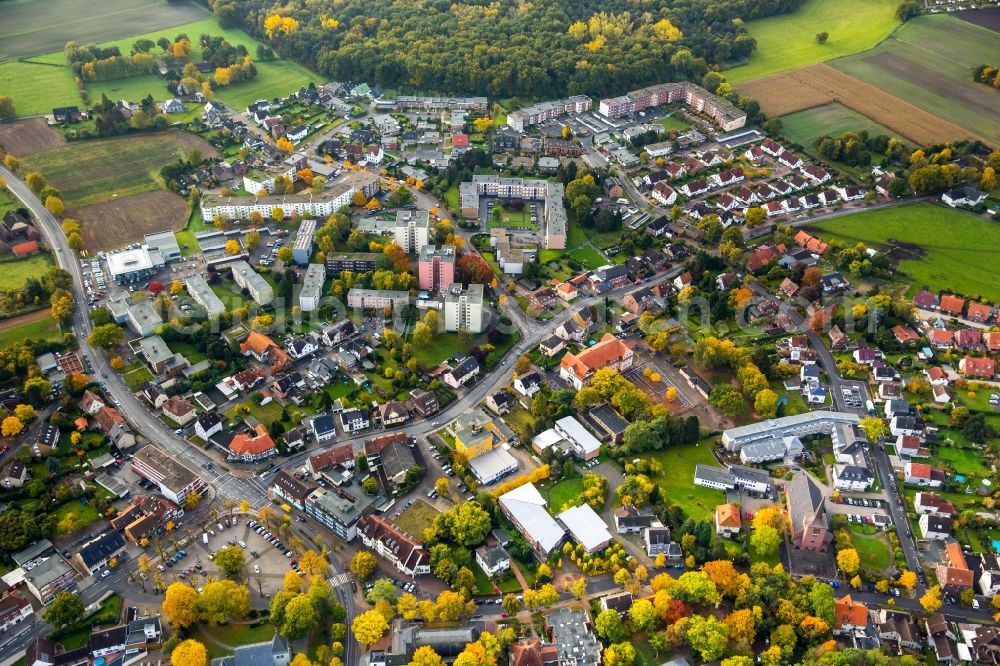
(506, 48)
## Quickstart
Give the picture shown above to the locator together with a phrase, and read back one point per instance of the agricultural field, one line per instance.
(804, 127)
(931, 245)
(32, 135)
(788, 41)
(987, 18)
(818, 85)
(32, 27)
(38, 87)
(928, 62)
(90, 172)
(111, 224)
(46, 81)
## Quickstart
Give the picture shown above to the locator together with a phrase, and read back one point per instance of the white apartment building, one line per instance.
(312, 287)
(249, 279)
(539, 113)
(463, 308)
(255, 181)
(412, 229)
(377, 298)
(203, 295)
(307, 205)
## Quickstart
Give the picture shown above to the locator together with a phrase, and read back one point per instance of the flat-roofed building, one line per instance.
(412, 229)
(312, 287)
(143, 318)
(303, 245)
(809, 423)
(539, 113)
(436, 267)
(463, 308)
(165, 243)
(338, 194)
(175, 480)
(247, 278)
(553, 218)
(202, 294)
(423, 103)
(726, 114)
(134, 264)
(357, 262)
(377, 298)
(339, 510)
(50, 577)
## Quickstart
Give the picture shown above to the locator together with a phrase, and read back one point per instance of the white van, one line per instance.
(204, 538)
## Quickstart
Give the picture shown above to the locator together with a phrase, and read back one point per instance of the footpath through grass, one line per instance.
(935, 246)
(788, 41)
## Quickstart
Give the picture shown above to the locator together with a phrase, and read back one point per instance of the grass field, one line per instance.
(84, 514)
(89, 172)
(46, 81)
(928, 62)
(235, 635)
(965, 461)
(788, 41)
(873, 549)
(30, 27)
(670, 123)
(589, 257)
(416, 519)
(37, 329)
(14, 272)
(934, 246)
(833, 119)
(137, 376)
(37, 88)
(677, 479)
(564, 492)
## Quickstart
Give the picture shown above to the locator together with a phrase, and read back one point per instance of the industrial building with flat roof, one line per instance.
(312, 287)
(133, 264)
(204, 296)
(249, 279)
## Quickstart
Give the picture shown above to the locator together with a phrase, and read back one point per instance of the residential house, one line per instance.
(458, 376)
(354, 420)
(850, 616)
(264, 350)
(972, 366)
(400, 550)
(492, 559)
(101, 552)
(528, 385)
(727, 520)
(179, 410)
(932, 503)
(610, 352)
(934, 526)
(252, 447)
(920, 474)
(897, 632)
(953, 573)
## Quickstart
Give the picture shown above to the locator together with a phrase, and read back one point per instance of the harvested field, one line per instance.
(984, 18)
(91, 172)
(126, 220)
(928, 62)
(33, 135)
(821, 84)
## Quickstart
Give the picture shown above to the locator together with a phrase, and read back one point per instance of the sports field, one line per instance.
(89, 172)
(833, 119)
(30, 27)
(788, 41)
(928, 62)
(933, 246)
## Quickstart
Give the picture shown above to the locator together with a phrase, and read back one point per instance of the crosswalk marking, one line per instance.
(339, 579)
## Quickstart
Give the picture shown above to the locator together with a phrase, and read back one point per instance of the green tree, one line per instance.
(231, 562)
(707, 636)
(107, 336)
(300, 617)
(64, 610)
(765, 541)
(363, 564)
(609, 626)
(221, 601)
(642, 614)
(7, 108)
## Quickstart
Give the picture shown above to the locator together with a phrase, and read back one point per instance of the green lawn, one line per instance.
(969, 462)
(14, 272)
(589, 257)
(670, 123)
(137, 376)
(84, 514)
(564, 493)
(928, 62)
(873, 549)
(35, 87)
(442, 346)
(959, 250)
(833, 119)
(677, 479)
(266, 414)
(188, 350)
(788, 41)
(43, 329)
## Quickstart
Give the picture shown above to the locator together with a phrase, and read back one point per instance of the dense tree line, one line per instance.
(508, 48)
